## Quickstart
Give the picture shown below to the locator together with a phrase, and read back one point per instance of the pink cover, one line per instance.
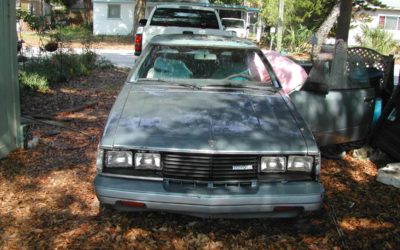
(291, 75)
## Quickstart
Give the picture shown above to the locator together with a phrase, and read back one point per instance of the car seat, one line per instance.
(169, 68)
(231, 64)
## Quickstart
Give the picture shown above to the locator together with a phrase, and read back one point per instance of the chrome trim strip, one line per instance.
(211, 152)
(132, 177)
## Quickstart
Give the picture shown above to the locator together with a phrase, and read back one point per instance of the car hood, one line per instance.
(203, 121)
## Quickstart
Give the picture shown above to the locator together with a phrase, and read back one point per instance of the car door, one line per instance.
(337, 101)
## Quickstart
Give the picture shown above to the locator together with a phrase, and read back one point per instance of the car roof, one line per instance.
(202, 41)
(183, 6)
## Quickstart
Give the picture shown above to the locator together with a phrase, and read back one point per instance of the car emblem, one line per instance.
(242, 167)
(211, 143)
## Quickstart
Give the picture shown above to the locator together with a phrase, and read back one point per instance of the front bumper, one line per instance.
(232, 202)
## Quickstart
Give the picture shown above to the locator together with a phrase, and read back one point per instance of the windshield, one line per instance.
(232, 23)
(185, 18)
(204, 65)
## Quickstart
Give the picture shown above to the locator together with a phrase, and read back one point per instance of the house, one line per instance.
(387, 18)
(115, 17)
(112, 17)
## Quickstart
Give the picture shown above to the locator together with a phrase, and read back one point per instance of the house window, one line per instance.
(114, 11)
(389, 22)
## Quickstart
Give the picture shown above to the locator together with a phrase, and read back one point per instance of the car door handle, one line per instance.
(369, 99)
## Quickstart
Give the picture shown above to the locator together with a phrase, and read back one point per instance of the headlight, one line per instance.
(300, 163)
(119, 159)
(147, 161)
(273, 164)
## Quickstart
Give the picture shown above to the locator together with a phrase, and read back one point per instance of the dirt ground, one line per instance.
(47, 198)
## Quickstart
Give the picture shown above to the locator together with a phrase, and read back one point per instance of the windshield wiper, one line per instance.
(240, 86)
(187, 85)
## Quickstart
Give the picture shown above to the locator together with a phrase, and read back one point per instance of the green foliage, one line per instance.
(72, 32)
(84, 35)
(40, 73)
(377, 39)
(67, 3)
(74, 65)
(367, 4)
(36, 23)
(309, 13)
(296, 39)
(34, 81)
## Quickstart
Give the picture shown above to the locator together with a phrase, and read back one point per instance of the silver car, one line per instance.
(202, 127)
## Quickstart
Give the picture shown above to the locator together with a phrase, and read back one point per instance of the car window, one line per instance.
(185, 18)
(165, 63)
(232, 23)
(356, 75)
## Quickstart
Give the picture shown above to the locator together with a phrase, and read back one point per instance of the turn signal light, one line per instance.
(133, 204)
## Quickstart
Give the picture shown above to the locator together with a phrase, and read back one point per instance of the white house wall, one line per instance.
(374, 15)
(102, 25)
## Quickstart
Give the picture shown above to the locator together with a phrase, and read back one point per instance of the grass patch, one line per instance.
(34, 81)
(75, 33)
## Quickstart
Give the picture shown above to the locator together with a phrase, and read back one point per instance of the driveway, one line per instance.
(121, 58)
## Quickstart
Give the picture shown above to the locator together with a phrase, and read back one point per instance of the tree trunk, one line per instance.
(344, 20)
(326, 27)
(139, 11)
(88, 11)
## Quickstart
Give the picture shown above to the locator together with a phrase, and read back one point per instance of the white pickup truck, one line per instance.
(236, 25)
(178, 19)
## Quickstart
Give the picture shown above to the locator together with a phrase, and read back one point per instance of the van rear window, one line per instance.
(185, 18)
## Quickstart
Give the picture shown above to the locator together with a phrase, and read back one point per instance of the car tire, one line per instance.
(105, 208)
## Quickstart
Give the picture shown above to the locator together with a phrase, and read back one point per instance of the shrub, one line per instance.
(33, 81)
(40, 73)
(44, 67)
(296, 39)
(36, 23)
(377, 39)
(103, 63)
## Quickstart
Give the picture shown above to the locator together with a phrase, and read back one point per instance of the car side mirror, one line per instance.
(142, 22)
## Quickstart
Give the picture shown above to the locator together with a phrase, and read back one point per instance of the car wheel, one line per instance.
(105, 208)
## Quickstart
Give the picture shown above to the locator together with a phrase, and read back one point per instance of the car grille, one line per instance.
(209, 167)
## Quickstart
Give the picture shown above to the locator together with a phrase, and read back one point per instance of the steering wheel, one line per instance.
(248, 77)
